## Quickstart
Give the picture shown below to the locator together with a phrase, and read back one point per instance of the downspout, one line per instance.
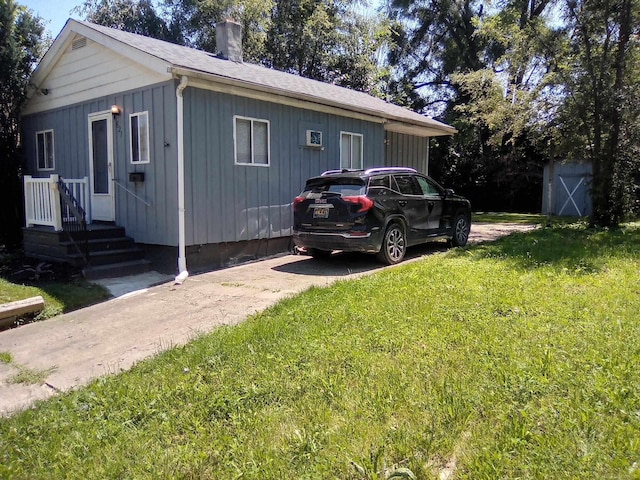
(182, 255)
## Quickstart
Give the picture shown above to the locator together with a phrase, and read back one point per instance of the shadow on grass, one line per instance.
(573, 248)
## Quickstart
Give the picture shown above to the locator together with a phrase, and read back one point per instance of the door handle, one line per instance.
(402, 203)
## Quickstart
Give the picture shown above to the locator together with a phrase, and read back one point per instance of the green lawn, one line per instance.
(489, 217)
(62, 291)
(512, 359)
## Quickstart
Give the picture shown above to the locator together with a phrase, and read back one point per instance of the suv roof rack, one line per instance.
(371, 171)
(390, 170)
(341, 170)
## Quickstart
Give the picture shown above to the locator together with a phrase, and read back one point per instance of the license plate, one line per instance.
(322, 212)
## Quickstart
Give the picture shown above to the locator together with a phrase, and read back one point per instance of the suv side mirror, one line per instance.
(448, 192)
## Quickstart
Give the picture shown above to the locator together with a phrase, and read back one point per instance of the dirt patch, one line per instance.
(488, 232)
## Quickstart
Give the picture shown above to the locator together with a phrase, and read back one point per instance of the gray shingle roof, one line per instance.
(261, 77)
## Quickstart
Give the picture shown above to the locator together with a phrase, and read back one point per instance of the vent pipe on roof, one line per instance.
(229, 40)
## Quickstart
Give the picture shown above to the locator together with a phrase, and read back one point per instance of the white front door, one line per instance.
(101, 166)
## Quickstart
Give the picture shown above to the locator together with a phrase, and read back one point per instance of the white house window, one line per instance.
(44, 150)
(350, 150)
(139, 139)
(251, 141)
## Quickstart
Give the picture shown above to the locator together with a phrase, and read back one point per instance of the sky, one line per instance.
(54, 12)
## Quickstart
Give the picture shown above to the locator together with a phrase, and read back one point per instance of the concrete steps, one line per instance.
(111, 252)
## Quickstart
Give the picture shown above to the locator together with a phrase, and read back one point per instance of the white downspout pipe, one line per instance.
(182, 255)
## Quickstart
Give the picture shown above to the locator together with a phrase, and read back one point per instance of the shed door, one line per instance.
(571, 195)
(101, 166)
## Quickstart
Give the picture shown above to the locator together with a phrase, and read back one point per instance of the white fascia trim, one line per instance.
(426, 131)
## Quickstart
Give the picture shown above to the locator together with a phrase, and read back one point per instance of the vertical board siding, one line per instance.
(224, 202)
(154, 224)
(403, 150)
(232, 203)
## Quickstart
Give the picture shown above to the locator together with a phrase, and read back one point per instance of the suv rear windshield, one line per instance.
(346, 187)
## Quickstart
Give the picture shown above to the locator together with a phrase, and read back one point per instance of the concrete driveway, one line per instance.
(110, 337)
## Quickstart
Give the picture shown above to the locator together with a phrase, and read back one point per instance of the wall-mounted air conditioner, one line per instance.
(314, 138)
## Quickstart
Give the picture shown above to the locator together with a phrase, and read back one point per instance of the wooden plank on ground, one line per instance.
(20, 307)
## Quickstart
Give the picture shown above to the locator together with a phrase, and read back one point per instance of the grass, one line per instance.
(62, 292)
(30, 376)
(490, 217)
(512, 359)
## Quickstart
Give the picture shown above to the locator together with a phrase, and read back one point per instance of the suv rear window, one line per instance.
(345, 187)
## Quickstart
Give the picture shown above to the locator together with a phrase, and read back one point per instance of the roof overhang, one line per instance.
(398, 124)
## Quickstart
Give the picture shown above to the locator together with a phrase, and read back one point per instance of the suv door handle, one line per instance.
(402, 203)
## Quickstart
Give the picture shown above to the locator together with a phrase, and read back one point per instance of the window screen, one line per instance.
(45, 150)
(251, 141)
(139, 139)
(350, 150)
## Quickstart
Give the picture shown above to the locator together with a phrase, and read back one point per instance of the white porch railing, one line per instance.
(42, 199)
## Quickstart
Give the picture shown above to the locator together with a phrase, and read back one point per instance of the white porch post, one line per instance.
(56, 211)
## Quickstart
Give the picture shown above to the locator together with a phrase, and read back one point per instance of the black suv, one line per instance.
(379, 210)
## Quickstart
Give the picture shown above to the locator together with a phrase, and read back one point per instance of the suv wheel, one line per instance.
(461, 229)
(394, 245)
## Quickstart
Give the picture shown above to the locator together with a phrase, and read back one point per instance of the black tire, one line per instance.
(318, 254)
(461, 229)
(394, 245)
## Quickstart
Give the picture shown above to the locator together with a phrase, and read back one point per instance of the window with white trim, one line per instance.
(350, 150)
(45, 150)
(139, 138)
(251, 141)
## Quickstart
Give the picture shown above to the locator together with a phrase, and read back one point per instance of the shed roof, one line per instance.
(181, 60)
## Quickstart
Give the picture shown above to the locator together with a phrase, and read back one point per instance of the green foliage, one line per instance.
(196, 20)
(327, 41)
(21, 45)
(135, 16)
(515, 359)
(487, 73)
(600, 116)
(29, 376)
(5, 357)
(59, 296)
(522, 218)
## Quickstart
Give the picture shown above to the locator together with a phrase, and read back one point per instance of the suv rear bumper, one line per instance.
(348, 242)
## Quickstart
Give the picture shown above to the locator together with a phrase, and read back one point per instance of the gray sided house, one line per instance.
(196, 156)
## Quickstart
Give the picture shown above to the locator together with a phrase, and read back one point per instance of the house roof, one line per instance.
(199, 64)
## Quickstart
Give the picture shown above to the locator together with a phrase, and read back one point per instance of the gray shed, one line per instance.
(566, 188)
(197, 156)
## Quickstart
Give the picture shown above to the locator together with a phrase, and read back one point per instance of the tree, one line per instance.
(486, 73)
(135, 16)
(196, 19)
(21, 46)
(327, 41)
(600, 117)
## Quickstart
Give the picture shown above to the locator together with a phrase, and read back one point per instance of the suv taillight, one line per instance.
(364, 202)
(297, 201)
